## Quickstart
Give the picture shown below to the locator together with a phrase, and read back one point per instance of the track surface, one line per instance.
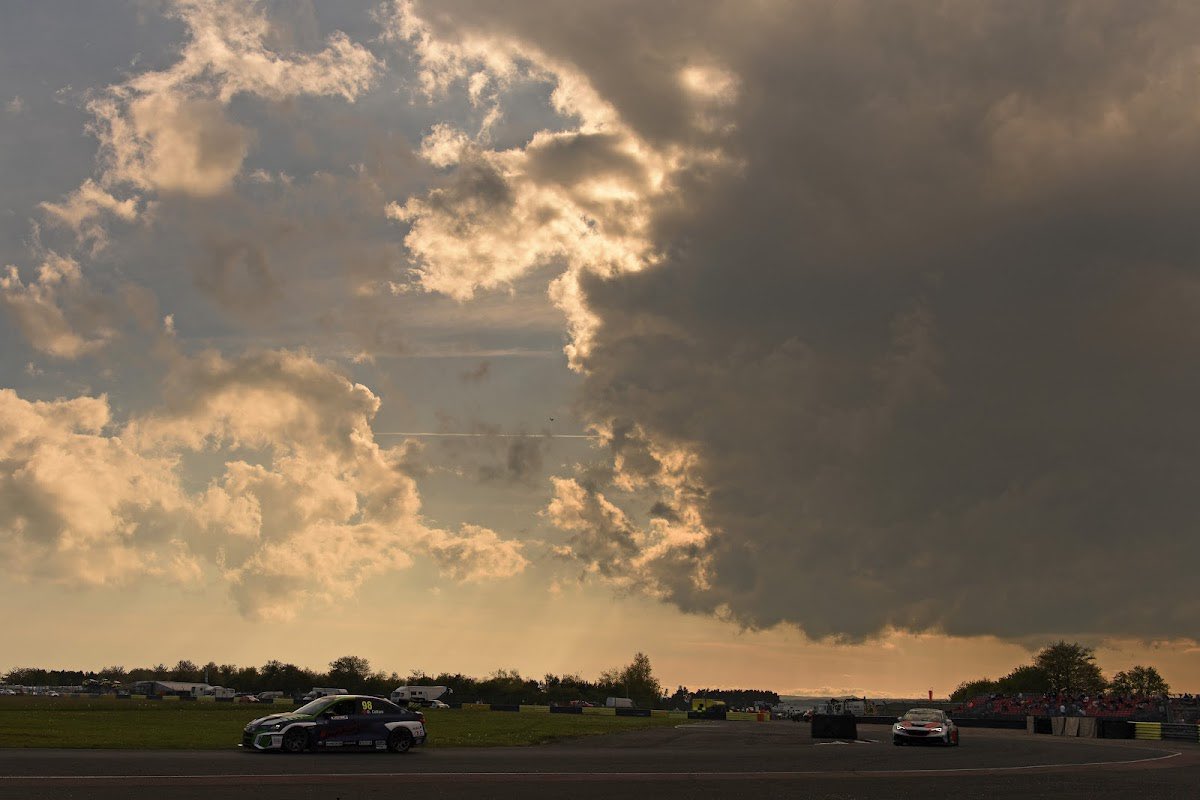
(715, 759)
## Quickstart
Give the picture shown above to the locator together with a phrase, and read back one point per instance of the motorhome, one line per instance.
(419, 694)
(618, 702)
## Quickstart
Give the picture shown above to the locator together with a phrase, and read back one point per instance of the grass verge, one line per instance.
(139, 724)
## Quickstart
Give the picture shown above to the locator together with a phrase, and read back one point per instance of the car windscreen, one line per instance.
(316, 706)
(923, 715)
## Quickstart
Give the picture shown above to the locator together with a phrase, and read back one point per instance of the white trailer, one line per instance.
(618, 702)
(418, 694)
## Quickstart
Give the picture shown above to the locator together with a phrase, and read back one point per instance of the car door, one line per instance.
(338, 726)
(369, 713)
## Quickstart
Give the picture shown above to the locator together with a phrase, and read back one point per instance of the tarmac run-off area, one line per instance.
(706, 759)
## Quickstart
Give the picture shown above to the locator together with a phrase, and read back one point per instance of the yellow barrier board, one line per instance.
(601, 710)
(535, 709)
(742, 716)
(207, 699)
(476, 707)
(174, 697)
(137, 697)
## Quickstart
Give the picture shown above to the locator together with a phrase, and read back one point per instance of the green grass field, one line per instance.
(140, 724)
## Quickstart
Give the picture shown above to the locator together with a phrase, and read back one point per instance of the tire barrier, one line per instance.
(1175, 731)
(476, 707)
(632, 712)
(1147, 730)
(831, 726)
(1181, 731)
(711, 714)
(999, 724)
(566, 709)
(503, 707)
(1114, 729)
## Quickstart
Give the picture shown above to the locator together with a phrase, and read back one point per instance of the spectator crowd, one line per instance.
(1175, 708)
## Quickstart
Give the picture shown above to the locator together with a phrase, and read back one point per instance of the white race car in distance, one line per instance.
(920, 725)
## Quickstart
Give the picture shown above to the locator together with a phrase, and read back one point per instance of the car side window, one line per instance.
(343, 708)
(369, 705)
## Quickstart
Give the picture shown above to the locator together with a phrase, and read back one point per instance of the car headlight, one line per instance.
(938, 729)
(898, 727)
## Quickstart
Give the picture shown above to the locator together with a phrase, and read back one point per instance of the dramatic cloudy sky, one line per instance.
(810, 346)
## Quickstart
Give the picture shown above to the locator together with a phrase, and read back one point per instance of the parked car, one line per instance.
(339, 721)
(919, 725)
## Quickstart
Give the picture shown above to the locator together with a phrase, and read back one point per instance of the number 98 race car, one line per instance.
(925, 725)
(341, 721)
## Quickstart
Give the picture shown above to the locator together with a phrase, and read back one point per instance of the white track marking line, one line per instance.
(597, 775)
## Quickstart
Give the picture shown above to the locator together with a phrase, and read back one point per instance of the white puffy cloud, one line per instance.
(83, 209)
(79, 505)
(55, 312)
(299, 505)
(169, 131)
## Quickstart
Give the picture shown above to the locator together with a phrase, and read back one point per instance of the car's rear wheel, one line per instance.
(896, 740)
(399, 741)
(295, 741)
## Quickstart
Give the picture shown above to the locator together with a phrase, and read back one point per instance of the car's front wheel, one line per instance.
(896, 740)
(399, 741)
(295, 741)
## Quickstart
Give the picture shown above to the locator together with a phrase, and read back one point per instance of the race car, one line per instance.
(920, 725)
(347, 722)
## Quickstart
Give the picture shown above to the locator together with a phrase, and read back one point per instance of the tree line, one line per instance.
(635, 680)
(1068, 668)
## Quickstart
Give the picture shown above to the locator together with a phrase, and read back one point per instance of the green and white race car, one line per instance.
(347, 722)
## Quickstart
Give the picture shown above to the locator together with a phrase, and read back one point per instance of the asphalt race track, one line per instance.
(710, 759)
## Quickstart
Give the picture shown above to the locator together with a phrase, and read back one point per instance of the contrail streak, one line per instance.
(497, 435)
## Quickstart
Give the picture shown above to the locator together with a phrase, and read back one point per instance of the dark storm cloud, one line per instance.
(238, 276)
(933, 345)
(522, 462)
